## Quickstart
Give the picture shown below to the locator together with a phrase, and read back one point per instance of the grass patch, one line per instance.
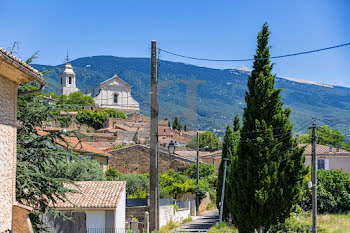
(168, 227)
(189, 219)
(171, 225)
(223, 228)
(326, 223)
(333, 223)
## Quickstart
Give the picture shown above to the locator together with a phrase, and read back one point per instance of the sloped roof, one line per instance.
(77, 145)
(36, 75)
(117, 78)
(93, 194)
(324, 150)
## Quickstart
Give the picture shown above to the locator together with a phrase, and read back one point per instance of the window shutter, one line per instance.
(326, 164)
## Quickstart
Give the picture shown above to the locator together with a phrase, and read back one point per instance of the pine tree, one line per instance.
(229, 150)
(265, 179)
(177, 124)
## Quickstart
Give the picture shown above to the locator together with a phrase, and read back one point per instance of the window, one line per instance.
(61, 81)
(115, 98)
(70, 80)
(320, 164)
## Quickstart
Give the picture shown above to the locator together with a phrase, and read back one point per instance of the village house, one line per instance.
(136, 159)
(328, 158)
(97, 206)
(13, 71)
(136, 128)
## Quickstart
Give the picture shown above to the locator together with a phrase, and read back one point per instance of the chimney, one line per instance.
(330, 147)
(338, 147)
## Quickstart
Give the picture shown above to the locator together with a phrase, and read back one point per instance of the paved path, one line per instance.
(201, 223)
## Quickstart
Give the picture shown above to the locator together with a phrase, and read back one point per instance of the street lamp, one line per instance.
(171, 147)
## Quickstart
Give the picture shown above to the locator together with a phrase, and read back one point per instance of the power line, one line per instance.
(252, 59)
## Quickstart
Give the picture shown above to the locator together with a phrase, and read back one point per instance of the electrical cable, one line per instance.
(253, 59)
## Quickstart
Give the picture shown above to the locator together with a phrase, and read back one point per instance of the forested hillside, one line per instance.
(220, 93)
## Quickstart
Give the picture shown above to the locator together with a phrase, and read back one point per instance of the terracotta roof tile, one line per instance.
(93, 194)
(78, 145)
(324, 150)
(21, 63)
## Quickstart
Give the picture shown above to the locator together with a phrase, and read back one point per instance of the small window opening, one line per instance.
(70, 80)
(115, 98)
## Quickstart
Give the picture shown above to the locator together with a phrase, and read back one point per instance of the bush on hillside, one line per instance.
(96, 118)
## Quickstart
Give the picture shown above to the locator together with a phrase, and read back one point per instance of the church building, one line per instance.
(111, 93)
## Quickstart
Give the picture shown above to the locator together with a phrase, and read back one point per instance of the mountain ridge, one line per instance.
(220, 94)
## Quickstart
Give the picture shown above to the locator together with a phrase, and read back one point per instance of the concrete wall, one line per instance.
(167, 213)
(204, 203)
(8, 116)
(137, 212)
(120, 212)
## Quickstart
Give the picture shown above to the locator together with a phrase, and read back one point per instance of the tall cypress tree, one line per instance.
(229, 150)
(265, 179)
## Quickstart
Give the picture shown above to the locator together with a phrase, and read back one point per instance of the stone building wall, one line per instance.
(8, 105)
(136, 159)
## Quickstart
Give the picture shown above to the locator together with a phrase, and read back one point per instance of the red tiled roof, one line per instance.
(93, 194)
(324, 150)
(78, 145)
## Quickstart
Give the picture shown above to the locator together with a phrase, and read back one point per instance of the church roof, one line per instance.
(115, 77)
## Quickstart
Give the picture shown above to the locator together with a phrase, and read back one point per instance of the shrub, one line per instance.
(96, 118)
(137, 185)
(333, 192)
(207, 140)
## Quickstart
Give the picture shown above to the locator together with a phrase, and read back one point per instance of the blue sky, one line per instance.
(214, 29)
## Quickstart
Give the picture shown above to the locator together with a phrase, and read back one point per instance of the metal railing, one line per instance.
(106, 230)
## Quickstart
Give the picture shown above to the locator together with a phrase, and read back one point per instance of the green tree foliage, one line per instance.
(137, 185)
(229, 150)
(266, 178)
(326, 136)
(39, 180)
(333, 192)
(177, 124)
(75, 101)
(96, 118)
(206, 172)
(114, 113)
(112, 173)
(207, 141)
(75, 168)
(174, 183)
(34, 154)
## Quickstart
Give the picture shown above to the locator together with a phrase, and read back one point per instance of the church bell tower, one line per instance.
(67, 79)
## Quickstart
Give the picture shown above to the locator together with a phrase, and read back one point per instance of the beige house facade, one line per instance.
(329, 158)
(12, 72)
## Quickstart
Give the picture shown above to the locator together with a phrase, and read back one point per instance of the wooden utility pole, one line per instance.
(223, 192)
(197, 158)
(314, 179)
(154, 175)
